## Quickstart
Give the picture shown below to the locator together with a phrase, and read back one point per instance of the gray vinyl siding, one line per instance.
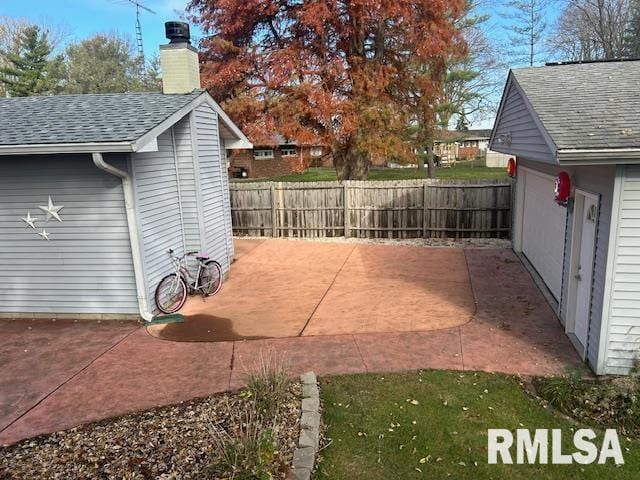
(517, 120)
(598, 180)
(86, 267)
(155, 178)
(623, 340)
(215, 191)
(227, 200)
(187, 178)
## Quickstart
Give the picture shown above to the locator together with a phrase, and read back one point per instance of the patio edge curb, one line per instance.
(309, 440)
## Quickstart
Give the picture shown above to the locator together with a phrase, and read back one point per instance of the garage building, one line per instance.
(581, 122)
(94, 189)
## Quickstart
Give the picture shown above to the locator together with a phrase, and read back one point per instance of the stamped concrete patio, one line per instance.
(335, 308)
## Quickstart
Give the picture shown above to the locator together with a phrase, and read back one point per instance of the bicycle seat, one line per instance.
(202, 256)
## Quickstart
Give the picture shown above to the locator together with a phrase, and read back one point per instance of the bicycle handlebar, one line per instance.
(193, 252)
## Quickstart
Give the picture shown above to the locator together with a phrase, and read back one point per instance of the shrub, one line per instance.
(244, 453)
(268, 383)
(609, 402)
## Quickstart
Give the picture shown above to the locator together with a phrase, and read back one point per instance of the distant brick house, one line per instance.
(281, 158)
(461, 145)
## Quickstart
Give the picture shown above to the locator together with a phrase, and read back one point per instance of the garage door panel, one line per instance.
(543, 230)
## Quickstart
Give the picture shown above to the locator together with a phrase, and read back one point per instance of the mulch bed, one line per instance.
(167, 443)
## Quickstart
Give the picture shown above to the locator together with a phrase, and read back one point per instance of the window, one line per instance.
(288, 151)
(263, 154)
(316, 151)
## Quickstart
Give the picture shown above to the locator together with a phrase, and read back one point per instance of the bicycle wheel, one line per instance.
(171, 293)
(211, 278)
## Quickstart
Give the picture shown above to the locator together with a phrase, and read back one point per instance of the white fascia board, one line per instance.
(53, 148)
(612, 255)
(241, 141)
(598, 156)
(169, 122)
(152, 146)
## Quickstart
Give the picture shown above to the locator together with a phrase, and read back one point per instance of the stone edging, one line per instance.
(308, 443)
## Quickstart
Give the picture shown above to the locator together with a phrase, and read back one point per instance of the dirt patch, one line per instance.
(199, 328)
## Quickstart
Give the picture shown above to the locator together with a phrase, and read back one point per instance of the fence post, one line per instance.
(424, 210)
(274, 212)
(345, 197)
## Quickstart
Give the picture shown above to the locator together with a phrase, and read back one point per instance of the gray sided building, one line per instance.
(582, 119)
(135, 174)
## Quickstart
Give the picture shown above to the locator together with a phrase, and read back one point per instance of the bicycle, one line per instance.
(172, 291)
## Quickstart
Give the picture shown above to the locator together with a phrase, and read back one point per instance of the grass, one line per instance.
(433, 425)
(461, 171)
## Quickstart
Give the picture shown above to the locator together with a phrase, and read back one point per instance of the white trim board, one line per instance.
(612, 254)
(574, 256)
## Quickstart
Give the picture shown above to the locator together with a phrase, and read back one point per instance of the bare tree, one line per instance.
(592, 30)
(527, 27)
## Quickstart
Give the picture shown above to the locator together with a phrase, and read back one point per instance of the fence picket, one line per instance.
(366, 209)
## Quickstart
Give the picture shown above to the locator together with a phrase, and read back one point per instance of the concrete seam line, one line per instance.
(355, 341)
(326, 291)
(71, 378)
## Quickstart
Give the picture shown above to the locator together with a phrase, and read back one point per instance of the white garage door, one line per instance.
(543, 229)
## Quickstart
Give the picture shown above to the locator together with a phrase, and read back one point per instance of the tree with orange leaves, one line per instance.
(352, 74)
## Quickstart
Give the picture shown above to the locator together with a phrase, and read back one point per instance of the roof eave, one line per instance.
(54, 148)
(598, 156)
(240, 141)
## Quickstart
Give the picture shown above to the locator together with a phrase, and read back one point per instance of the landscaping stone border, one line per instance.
(309, 441)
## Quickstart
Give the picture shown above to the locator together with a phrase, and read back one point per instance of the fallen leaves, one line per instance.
(169, 442)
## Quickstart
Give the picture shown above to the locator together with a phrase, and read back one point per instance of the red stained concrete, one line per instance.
(73, 373)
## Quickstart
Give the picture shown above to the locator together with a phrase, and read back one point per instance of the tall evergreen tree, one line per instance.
(30, 70)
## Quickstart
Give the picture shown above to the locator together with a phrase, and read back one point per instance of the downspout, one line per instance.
(127, 187)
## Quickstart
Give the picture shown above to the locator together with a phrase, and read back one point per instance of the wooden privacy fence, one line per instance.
(373, 209)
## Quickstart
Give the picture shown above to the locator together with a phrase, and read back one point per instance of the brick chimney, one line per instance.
(179, 60)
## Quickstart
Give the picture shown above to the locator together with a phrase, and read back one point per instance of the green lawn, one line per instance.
(463, 171)
(433, 425)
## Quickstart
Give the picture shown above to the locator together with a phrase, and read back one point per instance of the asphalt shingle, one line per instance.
(110, 117)
(587, 105)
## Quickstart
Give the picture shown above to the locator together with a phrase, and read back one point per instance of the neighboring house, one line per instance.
(467, 145)
(279, 157)
(128, 175)
(461, 144)
(583, 120)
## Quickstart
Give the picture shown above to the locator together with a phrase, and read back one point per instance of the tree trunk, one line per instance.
(350, 163)
(431, 167)
(421, 161)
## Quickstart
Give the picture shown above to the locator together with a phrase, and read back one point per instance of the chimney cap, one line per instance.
(177, 32)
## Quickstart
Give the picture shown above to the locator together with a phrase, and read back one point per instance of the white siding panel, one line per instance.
(86, 267)
(215, 191)
(623, 343)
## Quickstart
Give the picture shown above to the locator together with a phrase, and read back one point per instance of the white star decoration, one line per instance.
(44, 234)
(29, 220)
(52, 210)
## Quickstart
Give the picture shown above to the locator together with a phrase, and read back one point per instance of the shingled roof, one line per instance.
(89, 118)
(586, 105)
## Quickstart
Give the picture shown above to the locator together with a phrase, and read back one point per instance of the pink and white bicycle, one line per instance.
(172, 291)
